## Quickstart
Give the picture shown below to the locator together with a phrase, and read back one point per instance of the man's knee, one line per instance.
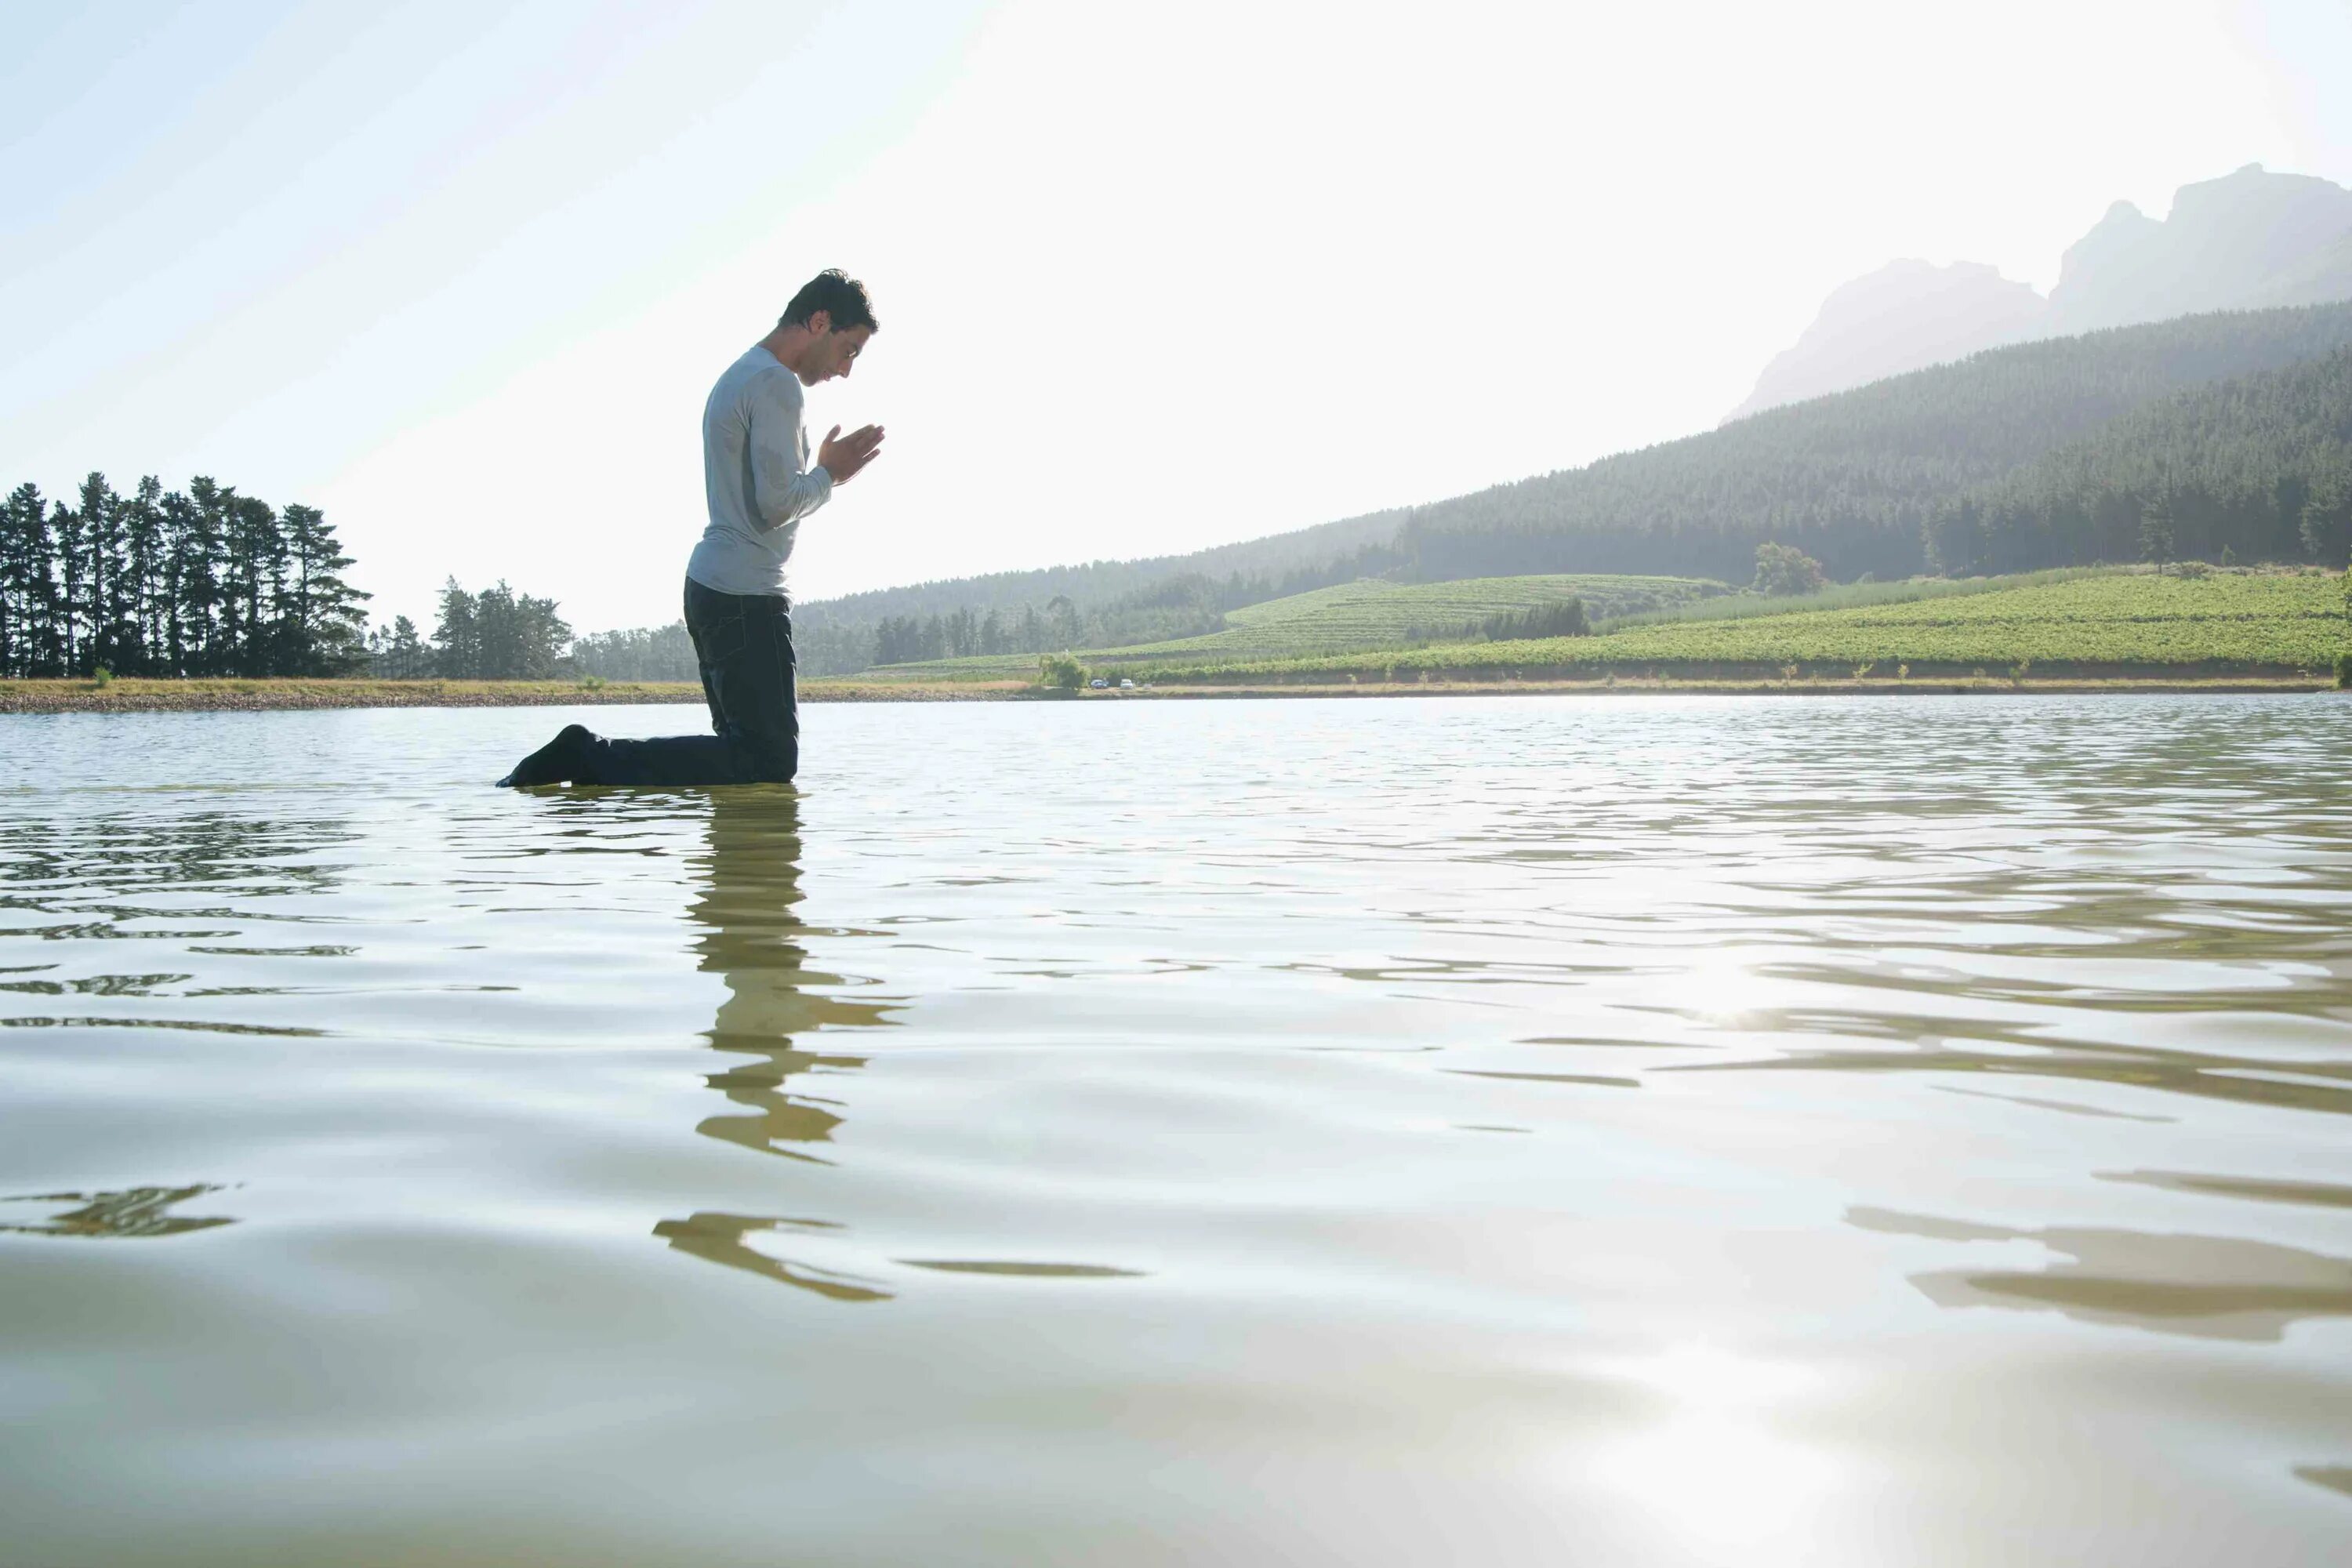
(769, 757)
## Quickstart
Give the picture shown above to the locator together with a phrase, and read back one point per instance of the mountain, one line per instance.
(1905, 316)
(2250, 240)
(2226, 244)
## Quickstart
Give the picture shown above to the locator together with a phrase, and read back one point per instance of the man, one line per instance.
(760, 484)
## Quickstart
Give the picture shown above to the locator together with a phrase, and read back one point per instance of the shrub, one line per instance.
(2344, 671)
(1061, 672)
(101, 676)
(1782, 569)
(592, 683)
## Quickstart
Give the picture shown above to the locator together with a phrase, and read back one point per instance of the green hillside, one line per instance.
(1371, 614)
(2135, 620)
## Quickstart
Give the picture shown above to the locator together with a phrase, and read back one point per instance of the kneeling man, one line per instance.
(760, 484)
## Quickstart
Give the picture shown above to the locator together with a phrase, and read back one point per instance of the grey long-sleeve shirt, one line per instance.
(757, 476)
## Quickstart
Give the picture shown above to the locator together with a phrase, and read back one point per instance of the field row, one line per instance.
(2222, 621)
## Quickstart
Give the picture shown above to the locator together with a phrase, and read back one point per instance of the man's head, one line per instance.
(821, 332)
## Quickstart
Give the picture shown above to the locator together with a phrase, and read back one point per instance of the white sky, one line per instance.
(1151, 277)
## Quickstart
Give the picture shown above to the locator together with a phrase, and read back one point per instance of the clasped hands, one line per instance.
(842, 456)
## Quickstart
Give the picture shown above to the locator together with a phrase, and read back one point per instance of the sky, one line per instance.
(1150, 277)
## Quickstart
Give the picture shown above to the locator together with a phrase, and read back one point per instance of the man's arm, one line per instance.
(782, 491)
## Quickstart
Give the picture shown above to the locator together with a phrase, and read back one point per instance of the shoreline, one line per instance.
(140, 696)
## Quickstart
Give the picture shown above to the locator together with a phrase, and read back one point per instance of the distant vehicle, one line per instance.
(1127, 686)
(1098, 683)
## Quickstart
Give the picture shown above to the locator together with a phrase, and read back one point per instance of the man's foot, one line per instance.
(558, 761)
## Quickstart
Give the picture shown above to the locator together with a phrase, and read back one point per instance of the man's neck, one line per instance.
(787, 343)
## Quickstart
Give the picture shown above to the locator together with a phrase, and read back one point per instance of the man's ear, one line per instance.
(820, 322)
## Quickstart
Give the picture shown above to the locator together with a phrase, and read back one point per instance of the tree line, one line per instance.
(201, 582)
(211, 581)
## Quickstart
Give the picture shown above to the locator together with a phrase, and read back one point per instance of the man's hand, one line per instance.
(842, 456)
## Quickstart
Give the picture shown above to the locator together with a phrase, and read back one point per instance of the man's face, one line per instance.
(831, 353)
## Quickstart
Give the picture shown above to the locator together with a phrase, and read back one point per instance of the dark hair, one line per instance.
(841, 297)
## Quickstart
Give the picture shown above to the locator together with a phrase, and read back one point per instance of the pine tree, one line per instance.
(212, 555)
(2157, 534)
(258, 562)
(148, 605)
(69, 537)
(322, 615)
(456, 635)
(28, 588)
(193, 573)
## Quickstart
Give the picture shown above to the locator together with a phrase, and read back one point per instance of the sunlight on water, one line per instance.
(1628, 1131)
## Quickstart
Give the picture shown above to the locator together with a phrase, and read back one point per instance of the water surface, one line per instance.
(1554, 1130)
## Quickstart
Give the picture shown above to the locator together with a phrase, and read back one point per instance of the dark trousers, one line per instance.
(743, 643)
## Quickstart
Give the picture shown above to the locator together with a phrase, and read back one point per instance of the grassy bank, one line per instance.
(263, 696)
(131, 695)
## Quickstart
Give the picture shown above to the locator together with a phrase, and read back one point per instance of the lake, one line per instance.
(1623, 1130)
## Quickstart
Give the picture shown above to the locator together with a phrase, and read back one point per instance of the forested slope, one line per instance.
(2257, 469)
(1852, 479)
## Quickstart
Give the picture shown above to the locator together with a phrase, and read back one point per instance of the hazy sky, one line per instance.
(1151, 275)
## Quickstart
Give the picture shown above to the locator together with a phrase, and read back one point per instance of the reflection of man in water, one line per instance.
(750, 938)
(759, 484)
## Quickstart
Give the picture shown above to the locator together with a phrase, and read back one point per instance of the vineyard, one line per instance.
(2209, 621)
(1354, 616)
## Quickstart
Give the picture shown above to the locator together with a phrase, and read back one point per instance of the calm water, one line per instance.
(1539, 1130)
